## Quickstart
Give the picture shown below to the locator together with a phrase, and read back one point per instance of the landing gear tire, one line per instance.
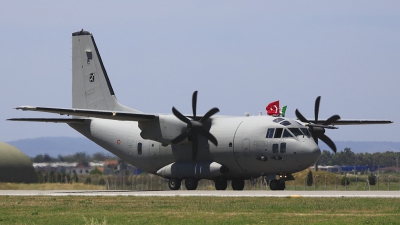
(277, 185)
(238, 184)
(282, 185)
(221, 184)
(191, 183)
(174, 184)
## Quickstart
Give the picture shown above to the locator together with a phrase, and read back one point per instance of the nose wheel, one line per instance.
(276, 185)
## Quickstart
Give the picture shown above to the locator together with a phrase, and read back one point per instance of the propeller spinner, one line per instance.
(317, 128)
(195, 126)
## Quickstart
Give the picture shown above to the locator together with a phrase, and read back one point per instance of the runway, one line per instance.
(184, 193)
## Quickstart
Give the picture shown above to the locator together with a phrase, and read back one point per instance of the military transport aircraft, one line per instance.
(188, 147)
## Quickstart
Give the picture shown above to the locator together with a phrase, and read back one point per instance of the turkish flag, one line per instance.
(273, 108)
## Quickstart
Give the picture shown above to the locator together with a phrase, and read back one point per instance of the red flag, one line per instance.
(273, 108)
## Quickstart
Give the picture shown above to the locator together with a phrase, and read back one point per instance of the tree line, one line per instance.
(81, 157)
(349, 158)
(341, 158)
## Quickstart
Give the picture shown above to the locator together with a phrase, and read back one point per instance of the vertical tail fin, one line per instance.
(91, 87)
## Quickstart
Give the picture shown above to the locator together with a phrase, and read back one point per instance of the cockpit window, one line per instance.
(278, 132)
(286, 134)
(285, 123)
(305, 131)
(270, 133)
(277, 120)
(296, 131)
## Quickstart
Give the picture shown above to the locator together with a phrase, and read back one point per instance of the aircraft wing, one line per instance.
(354, 122)
(102, 114)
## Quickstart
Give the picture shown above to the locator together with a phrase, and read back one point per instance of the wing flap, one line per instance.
(102, 114)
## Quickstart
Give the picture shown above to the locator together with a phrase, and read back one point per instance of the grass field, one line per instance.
(197, 210)
(48, 186)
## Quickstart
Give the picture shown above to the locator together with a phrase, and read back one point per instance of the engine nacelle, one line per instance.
(198, 170)
(164, 129)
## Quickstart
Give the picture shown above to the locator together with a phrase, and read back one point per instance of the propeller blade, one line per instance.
(331, 119)
(194, 104)
(194, 127)
(180, 137)
(328, 142)
(301, 117)
(210, 113)
(322, 126)
(195, 146)
(209, 136)
(317, 108)
(180, 116)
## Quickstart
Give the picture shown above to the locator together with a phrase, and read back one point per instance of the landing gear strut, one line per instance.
(174, 183)
(277, 185)
(191, 183)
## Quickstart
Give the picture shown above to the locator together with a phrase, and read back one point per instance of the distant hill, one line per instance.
(364, 146)
(54, 146)
(69, 145)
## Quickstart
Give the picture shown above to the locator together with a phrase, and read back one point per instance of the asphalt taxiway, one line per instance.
(183, 193)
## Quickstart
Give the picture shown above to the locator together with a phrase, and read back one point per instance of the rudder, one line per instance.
(91, 87)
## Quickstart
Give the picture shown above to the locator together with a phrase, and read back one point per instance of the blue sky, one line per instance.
(239, 55)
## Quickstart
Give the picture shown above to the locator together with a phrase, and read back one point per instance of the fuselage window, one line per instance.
(270, 133)
(139, 148)
(286, 134)
(285, 123)
(277, 120)
(283, 147)
(275, 148)
(278, 132)
(296, 131)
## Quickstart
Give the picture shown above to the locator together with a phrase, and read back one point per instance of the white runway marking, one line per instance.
(294, 194)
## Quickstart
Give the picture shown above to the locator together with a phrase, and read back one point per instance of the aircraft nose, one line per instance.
(310, 152)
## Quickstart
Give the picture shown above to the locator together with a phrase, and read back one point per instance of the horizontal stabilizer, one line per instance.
(49, 120)
(102, 114)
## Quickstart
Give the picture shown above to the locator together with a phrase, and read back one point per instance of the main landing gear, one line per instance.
(174, 183)
(277, 185)
(190, 183)
(222, 184)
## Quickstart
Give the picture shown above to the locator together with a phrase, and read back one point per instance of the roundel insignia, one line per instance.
(118, 142)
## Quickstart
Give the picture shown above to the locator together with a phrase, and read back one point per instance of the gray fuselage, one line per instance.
(243, 148)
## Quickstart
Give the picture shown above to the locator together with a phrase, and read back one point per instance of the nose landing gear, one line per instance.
(277, 185)
(238, 184)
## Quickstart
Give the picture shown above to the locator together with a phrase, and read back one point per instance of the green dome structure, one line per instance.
(15, 166)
